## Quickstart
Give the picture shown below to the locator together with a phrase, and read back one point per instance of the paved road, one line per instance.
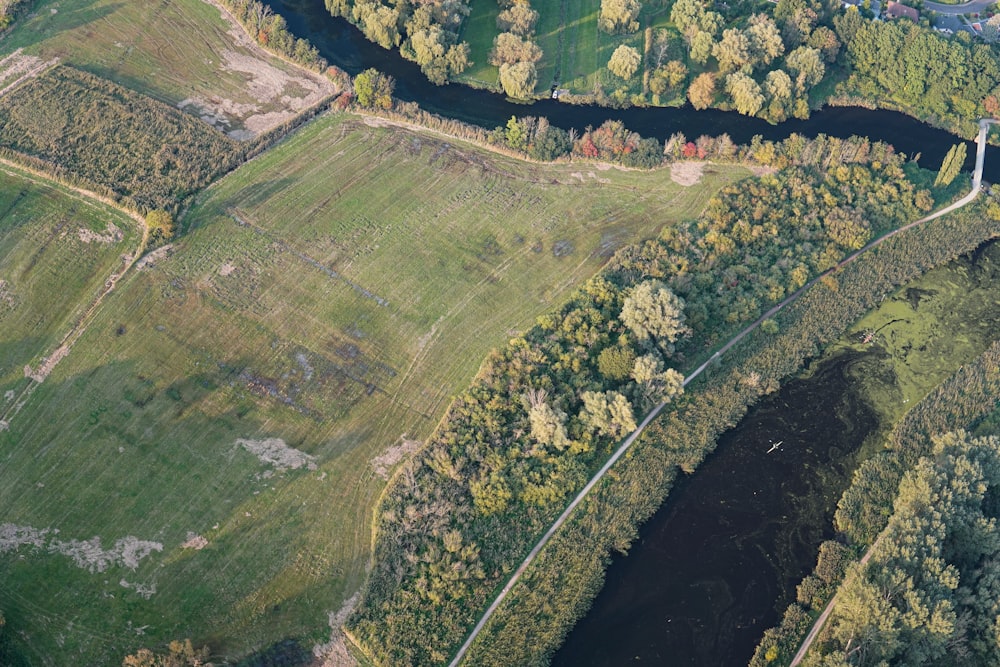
(977, 179)
(975, 6)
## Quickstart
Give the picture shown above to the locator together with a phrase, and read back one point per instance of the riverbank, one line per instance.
(551, 597)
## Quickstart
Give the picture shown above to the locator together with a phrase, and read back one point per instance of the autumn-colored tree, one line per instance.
(373, 89)
(702, 90)
(619, 16)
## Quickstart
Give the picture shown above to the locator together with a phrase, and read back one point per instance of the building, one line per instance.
(897, 10)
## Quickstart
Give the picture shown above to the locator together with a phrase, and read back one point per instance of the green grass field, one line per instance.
(56, 250)
(478, 30)
(177, 51)
(335, 303)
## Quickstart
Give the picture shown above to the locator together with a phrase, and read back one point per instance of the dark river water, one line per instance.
(344, 46)
(720, 560)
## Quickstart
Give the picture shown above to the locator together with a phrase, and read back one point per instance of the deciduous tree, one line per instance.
(624, 62)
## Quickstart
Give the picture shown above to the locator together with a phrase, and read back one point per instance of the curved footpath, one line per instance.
(977, 179)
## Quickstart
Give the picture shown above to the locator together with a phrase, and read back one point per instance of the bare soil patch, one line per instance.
(18, 67)
(278, 92)
(86, 554)
(274, 452)
(383, 463)
(111, 235)
(686, 173)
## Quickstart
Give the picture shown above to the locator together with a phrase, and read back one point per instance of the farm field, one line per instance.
(182, 52)
(56, 251)
(212, 450)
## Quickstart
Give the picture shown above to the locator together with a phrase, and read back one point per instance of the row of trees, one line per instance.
(964, 399)
(425, 32)
(546, 410)
(931, 592)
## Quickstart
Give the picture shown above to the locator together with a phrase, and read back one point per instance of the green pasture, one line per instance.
(173, 51)
(334, 293)
(478, 30)
(56, 250)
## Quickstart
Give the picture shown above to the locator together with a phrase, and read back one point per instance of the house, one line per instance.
(896, 10)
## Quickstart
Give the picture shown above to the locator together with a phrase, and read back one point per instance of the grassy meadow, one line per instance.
(56, 250)
(238, 401)
(181, 52)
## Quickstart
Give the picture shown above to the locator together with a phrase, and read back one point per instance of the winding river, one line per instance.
(720, 560)
(344, 46)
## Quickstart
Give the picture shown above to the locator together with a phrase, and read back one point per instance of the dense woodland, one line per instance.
(548, 408)
(425, 32)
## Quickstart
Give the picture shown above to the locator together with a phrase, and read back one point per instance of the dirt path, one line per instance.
(976, 186)
(821, 621)
(78, 328)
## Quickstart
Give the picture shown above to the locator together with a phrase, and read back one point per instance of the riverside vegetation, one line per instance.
(773, 61)
(967, 400)
(545, 410)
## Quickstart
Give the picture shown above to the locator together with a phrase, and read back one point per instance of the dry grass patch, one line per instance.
(187, 53)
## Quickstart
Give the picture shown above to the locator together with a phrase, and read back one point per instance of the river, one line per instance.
(344, 46)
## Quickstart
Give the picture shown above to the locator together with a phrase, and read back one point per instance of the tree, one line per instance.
(702, 90)
(745, 92)
(806, 65)
(508, 48)
(608, 413)
(624, 62)
(374, 89)
(846, 227)
(519, 19)
(160, 225)
(651, 310)
(702, 45)
(826, 41)
(518, 80)
(668, 77)
(732, 51)
(615, 362)
(619, 16)
(951, 165)
(765, 40)
(548, 426)
(656, 385)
